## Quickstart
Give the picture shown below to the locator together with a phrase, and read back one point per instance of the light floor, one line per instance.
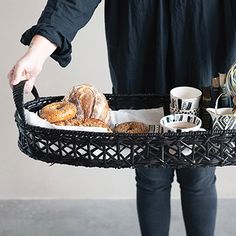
(93, 218)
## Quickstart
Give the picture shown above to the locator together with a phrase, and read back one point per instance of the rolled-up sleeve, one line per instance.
(59, 23)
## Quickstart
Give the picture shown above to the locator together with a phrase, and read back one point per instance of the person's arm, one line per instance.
(30, 65)
(52, 36)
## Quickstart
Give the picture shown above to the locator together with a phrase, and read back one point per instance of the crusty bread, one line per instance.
(90, 103)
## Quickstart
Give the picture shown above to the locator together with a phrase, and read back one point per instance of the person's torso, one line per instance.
(154, 45)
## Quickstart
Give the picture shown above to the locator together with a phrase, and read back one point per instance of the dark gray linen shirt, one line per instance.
(153, 45)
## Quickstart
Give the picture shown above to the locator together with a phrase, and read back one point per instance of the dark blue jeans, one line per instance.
(198, 197)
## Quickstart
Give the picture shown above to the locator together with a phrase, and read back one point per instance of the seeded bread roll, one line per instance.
(132, 127)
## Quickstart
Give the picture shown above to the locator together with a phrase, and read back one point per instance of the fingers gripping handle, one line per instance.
(18, 96)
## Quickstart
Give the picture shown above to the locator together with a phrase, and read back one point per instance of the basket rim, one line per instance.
(112, 134)
(28, 104)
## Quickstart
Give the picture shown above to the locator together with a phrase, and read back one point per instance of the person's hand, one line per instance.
(31, 64)
(27, 68)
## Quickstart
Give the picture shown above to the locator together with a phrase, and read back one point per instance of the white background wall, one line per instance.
(22, 177)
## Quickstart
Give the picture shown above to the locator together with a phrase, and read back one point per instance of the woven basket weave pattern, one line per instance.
(114, 150)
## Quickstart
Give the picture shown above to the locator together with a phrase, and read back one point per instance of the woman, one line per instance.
(153, 46)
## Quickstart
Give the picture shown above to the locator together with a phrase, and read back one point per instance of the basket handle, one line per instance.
(18, 92)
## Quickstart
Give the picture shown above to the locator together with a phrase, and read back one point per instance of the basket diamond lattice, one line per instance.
(114, 150)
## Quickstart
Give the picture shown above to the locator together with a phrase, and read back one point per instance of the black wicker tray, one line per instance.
(114, 150)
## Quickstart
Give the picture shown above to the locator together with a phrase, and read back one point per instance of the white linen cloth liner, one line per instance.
(147, 116)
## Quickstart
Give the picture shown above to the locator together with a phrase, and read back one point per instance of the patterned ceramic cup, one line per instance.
(194, 112)
(185, 98)
(180, 123)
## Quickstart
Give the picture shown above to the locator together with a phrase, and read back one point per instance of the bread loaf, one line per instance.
(90, 103)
